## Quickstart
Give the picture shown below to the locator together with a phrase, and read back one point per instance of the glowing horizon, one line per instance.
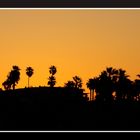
(82, 43)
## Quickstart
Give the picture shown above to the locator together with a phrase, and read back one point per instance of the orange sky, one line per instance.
(77, 42)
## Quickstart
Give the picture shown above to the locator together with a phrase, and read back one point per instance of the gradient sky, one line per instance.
(77, 42)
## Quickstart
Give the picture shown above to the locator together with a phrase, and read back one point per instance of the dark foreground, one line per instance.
(63, 109)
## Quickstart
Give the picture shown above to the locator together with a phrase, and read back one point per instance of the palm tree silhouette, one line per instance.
(124, 84)
(136, 85)
(52, 70)
(29, 73)
(12, 78)
(105, 84)
(78, 82)
(91, 85)
(52, 79)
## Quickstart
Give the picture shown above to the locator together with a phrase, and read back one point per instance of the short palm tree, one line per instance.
(52, 79)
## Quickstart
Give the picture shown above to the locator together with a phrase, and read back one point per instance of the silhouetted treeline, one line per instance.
(116, 105)
(114, 84)
(111, 84)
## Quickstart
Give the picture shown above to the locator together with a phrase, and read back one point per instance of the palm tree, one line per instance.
(91, 85)
(52, 70)
(124, 84)
(136, 85)
(78, 82)
(105, 84)
(12, 78)
(52, 79)
(29, 72)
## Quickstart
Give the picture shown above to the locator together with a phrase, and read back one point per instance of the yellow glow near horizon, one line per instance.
(77, 42)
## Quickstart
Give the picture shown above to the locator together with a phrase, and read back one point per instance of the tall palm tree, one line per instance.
(29, 72)
(136, 85)
(106, 84)
(124, 84)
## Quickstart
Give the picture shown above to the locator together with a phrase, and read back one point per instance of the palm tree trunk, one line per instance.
(93, 95)
(13, 86)
(28, 82)
(90, 94)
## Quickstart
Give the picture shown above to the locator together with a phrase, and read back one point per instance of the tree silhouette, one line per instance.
(123, 85)
(69, 84)
(52, 70)
(104, 84)
(113, 81)
(78, 82)
(6, 84)
(136, 85)
(138, 75)
(52, 79)
(29, 72)
(91, 85)
(12, 78)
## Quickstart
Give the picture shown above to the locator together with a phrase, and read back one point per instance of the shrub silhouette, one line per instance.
(12, 78)
(69, 84)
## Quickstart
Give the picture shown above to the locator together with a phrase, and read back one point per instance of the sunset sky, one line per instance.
(77, 42)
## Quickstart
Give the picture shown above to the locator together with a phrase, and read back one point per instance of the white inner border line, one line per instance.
(73, 131)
